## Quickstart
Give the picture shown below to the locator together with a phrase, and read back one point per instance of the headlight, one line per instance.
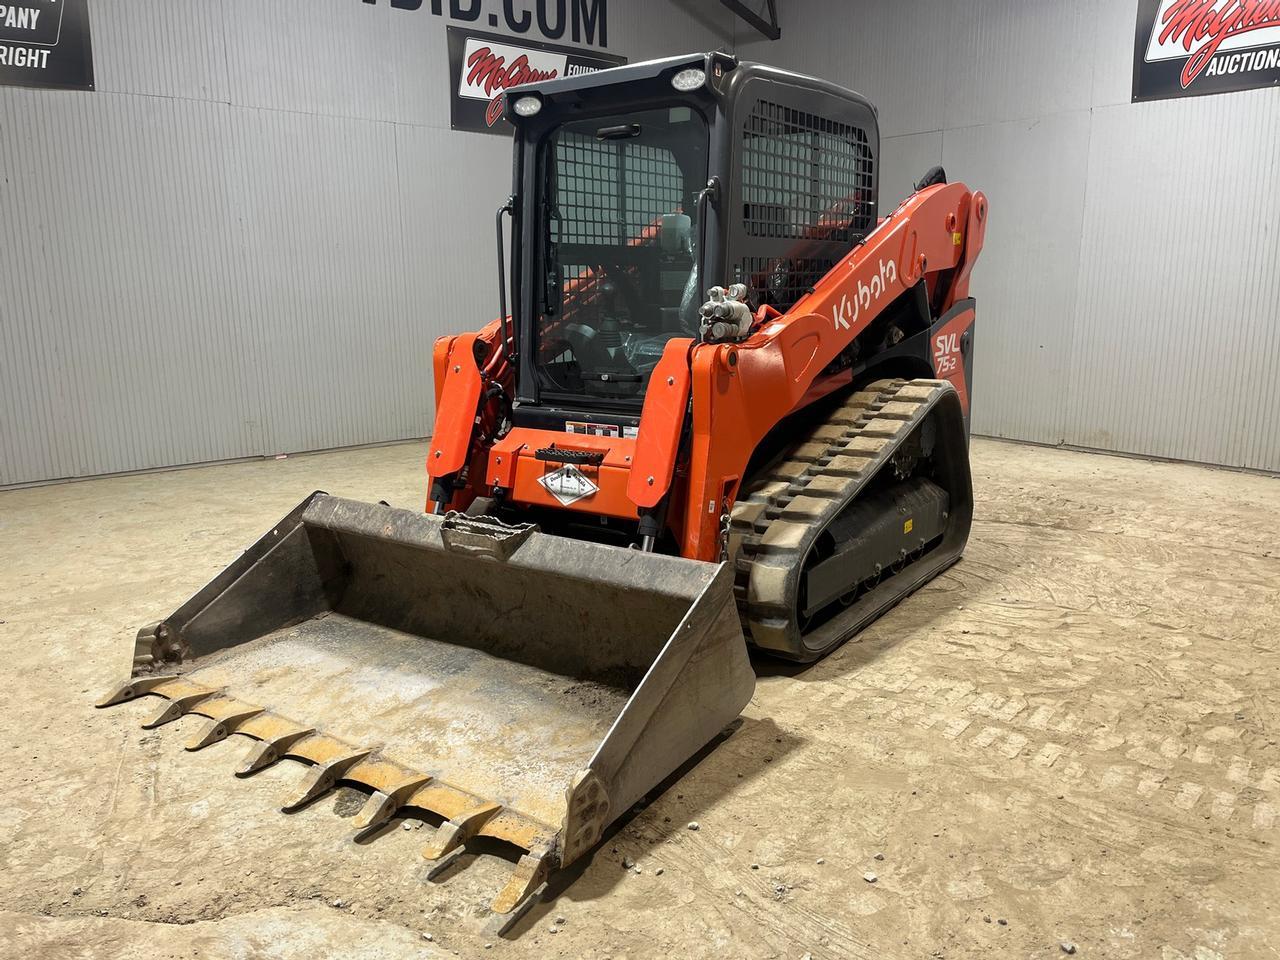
(527, 106)
(687, 80)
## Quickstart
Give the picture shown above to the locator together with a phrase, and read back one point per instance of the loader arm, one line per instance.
(742, 390)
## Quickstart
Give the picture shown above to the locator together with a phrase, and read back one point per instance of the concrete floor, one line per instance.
(1071, 736)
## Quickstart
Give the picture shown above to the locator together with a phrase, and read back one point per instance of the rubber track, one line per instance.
(778, 518)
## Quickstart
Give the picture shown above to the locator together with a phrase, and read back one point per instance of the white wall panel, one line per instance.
(903, 161)
(1014, 59)
(1033, 172)
(901, 55)
(324, 281)
(929, 66)
(646, 30)
(30, 363)
(161, 48)
(1111, 52)
(449, 251)
(123, 259)
(1177, 338)
(420, 51)
(808, 41)
(328, 57)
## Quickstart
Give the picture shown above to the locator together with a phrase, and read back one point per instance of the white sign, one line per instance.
(488, 68)
(568, 484)
(1182, 28)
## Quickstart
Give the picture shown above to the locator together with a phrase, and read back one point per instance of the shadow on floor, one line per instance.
(742, 753)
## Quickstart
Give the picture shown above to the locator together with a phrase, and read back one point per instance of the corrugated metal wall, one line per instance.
(1128, 292)
(246, 240)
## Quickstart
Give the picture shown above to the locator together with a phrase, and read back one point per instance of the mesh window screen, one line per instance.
(781, 281)
(612, 191)
(617, 255)
(588, 190)
(654, 186)
(804, 177)
(807, 181)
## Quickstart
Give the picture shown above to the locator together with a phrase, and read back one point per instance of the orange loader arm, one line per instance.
(740, 391)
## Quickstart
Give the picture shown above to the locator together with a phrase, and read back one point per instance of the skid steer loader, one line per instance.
(728, 406)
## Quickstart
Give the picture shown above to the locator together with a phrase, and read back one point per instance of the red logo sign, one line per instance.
(493, 112)
(488, 71)
(483, 66)
(1201, 27)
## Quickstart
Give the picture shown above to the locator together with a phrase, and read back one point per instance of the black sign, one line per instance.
(1188, 48)
(483, 65)
(45, 43)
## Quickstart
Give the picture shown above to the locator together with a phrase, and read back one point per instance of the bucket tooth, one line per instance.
(323, 777)
(382, 806)
(269, 751)
(178, 707)
(529, 874)
(132, 689)
(456, 831)
(222, 727)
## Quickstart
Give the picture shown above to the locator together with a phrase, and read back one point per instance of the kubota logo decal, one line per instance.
(846, 312)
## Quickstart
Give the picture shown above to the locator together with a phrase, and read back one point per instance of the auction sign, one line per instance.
(483, 66)
(45, 43)
(1188, 48)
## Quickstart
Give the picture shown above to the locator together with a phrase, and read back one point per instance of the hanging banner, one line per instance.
(1188, 48)
(45, 43)
(482, 66)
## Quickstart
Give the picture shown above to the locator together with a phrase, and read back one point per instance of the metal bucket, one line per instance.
(520, 686)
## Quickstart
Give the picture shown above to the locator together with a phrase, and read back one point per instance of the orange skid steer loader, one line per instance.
(728, 407)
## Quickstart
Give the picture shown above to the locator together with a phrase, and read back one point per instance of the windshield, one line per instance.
(619, 248)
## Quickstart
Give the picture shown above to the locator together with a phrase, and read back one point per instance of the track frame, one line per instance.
(776, 524)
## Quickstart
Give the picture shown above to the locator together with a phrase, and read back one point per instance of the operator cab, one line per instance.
(617, 249)
(638, 188)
